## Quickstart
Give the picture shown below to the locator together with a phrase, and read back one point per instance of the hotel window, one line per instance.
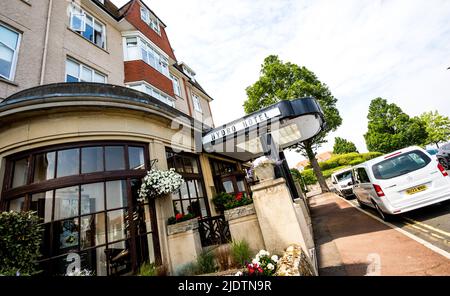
(197, 105)
(87, 26)
(137, 48)
(150, 19)
(9, 47)
(154, 93)
(176, 85)
(191, 197)
(77, 72)
(86, 213)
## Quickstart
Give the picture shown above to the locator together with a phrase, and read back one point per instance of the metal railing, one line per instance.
(214, 231)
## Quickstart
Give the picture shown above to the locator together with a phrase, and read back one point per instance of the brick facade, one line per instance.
(133, 16)
(140, 71)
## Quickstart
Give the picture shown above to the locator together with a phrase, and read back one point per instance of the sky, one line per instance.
(362, 49)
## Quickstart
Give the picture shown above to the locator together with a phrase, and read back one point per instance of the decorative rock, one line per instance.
(294, 263)
(182, 226)
(239, 212)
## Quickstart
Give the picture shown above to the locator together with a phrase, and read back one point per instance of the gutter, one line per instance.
(44, 54)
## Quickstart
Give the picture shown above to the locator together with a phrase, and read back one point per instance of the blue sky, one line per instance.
(362, 49)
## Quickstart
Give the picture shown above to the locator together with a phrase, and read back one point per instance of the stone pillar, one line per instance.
(276, 215)
(163, 205)
(209, 182)
(184, 243)
(244, 225)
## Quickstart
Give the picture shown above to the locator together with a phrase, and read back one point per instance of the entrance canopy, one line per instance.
(274, 128)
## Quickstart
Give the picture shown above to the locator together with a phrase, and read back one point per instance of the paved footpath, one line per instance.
(349, 242)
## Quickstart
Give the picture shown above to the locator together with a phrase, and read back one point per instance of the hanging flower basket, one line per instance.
(158, 183)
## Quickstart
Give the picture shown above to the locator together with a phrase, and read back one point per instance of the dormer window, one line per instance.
(150, 19)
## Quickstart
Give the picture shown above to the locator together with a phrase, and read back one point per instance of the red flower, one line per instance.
(239, 196)
(178, 216)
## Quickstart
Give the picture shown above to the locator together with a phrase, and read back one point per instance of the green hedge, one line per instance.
(20, 239)
(336, 163)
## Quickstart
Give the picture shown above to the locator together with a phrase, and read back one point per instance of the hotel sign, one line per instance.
(241, 124)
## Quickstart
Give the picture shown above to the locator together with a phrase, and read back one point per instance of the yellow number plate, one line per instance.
(416, 189)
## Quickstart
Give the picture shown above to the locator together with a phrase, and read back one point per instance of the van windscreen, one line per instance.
(400, 165)
(344, 176)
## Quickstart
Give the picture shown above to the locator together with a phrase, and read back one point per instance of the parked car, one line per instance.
(433, 152)
(443, 156)
(343, 182)
(399, 182)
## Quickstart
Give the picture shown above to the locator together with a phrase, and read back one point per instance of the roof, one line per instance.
(324, 156)
(179, 67)
(302, 163)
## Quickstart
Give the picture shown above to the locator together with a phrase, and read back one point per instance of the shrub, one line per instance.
(206, 262)
(148, 269)
(356, 161)
(180, 218)
(220, 199)
(309, 177)
(240, 253)
(20, 240)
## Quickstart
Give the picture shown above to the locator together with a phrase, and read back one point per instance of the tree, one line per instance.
(437, 127)
(286, 81)
(342, 146)
(391, 129)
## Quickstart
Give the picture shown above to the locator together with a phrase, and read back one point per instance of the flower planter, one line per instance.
(265, 172)
(184, 226)
(239, 212)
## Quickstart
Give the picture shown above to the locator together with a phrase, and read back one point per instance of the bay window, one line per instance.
(150, 19)
(9, 46)
(87, 26)
(77, 72)
(154, 93)
(139, 49)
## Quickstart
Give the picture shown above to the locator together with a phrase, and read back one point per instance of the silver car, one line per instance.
(443, 156)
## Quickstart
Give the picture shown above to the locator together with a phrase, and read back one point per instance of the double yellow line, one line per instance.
(433, 231)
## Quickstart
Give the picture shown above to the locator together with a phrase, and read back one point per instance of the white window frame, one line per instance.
(197, 104)
(83, 16)
(160, 95)
(176, 85)
(82, 66)
(15, 58)
(161, 60)
(150, 19)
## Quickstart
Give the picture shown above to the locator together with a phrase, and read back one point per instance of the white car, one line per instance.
(343, 182)
(401, 181)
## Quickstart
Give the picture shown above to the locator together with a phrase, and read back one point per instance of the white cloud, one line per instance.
(396, 49)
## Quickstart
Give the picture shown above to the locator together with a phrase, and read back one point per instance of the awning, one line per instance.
(276, 127)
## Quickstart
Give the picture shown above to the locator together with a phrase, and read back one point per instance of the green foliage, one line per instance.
(336, 163)
(148, 269)
(437, 127)
(180, 218)
(280, 81)
(240, 253)
(20, 239)
(225, 201)
(390, 129)
(206, 262)
(342, 146)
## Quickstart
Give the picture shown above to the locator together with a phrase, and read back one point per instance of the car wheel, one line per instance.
(383, 215)
(444, 163)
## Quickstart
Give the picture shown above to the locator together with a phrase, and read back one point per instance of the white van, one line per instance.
(401, 181)
(343, 182)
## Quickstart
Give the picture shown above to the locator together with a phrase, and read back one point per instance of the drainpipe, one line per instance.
(44, 55)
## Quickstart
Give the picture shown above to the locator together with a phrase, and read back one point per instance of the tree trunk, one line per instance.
(316, 167)
(437, 145)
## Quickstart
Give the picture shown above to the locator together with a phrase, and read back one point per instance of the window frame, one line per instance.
(151, 20)
(15, 58)
(196, 103)
(176, 86)
(84, 14)
(81, 66)
(142, 87)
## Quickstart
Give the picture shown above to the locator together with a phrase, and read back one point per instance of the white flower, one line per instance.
(270, 266)
(274, 258)
(263, 253)
(239, 273)
(255, 261)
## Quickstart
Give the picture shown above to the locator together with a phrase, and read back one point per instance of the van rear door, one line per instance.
(408, 178)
